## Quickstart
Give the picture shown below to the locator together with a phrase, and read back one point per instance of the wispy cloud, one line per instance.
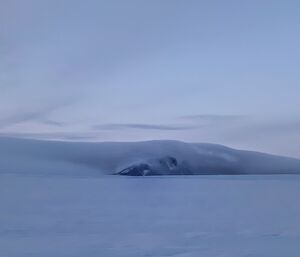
(52, 122)
(266, 128)
(40, 115)
(213, 118)
(65, 136)
(20, 117)
(141, 126)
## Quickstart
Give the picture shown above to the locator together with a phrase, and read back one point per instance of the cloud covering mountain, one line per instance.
(137, 158)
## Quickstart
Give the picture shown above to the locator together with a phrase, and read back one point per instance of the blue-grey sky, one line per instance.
(201, 71)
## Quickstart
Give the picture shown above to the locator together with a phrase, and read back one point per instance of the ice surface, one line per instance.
(182, 216)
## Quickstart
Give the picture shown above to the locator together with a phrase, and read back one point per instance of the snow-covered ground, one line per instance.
(182, 216)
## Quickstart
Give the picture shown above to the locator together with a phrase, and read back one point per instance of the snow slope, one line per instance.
(139, 158)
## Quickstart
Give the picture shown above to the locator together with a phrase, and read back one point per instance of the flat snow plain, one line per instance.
(182, 216)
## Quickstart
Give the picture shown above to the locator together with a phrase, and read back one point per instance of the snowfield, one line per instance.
(59, 199)
(117, 216)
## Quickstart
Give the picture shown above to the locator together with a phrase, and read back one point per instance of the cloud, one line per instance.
(266, 128)
(140, 126)
(52, 122)
(65, 136)
(19, 118)
(213, 118)
(36, 115)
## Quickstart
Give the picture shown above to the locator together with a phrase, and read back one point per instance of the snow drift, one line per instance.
(137, 158)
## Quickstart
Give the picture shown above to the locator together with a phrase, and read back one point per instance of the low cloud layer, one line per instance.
(213, 118)
(276, 135)
(141, 127)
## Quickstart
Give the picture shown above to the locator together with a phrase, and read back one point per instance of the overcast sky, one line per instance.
(224, 72)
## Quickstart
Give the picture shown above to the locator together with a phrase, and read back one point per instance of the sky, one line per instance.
(214, 71)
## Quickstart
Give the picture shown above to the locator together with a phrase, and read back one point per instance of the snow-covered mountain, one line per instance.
(136, 158)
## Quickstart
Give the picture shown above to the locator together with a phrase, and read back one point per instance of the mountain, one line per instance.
(136, 158)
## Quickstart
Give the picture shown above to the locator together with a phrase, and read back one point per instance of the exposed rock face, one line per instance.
(163, 166)
(142, 169)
